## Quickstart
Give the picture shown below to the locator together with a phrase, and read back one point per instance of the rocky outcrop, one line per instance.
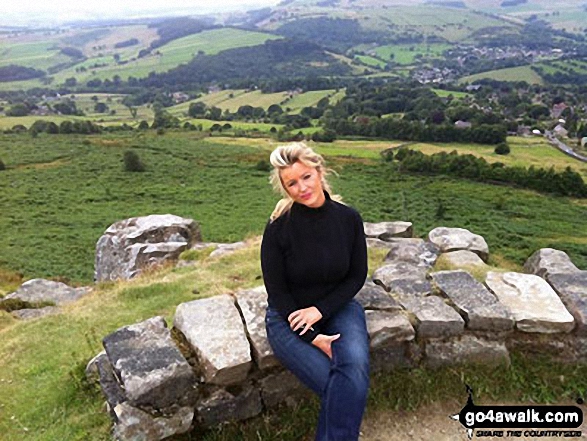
(434, 318)
(129, 246)
(532, 302)
(455, 239)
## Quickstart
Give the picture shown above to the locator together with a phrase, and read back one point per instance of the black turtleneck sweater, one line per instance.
(314, 257)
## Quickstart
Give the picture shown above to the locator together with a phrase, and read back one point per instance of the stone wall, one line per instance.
(215, 364)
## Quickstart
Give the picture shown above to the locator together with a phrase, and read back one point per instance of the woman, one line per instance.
(314, 261)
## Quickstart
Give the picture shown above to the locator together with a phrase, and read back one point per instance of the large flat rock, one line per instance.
(475, 303)
(572, 289)
(372, 296)
(252, 304)
(434, 318)
(532, 302)
(414, 251)
(466, 349)
(214, 329)
(388, 328)
(403, 279)
(548, 261)
(42, 290)
(454, 239)
(388, 230)
(152, 370)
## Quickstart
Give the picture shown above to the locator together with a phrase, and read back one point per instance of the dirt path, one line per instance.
(433, 423)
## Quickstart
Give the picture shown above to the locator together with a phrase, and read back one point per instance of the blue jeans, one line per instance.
(341, 383)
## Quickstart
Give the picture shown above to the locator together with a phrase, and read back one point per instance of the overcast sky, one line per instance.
(16, 12)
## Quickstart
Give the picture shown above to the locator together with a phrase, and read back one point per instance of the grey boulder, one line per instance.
(414, 251)
(41, 290)
(129, 246)
(548, 261)
(454, 239)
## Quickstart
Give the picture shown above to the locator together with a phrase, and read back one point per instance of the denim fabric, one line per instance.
(341, 383)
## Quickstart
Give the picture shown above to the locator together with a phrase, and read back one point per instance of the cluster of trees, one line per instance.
(566, 183)
(66, 127)
(276, 59)
(13, 72)
(390, 128)
(127, 43)
(334, 33)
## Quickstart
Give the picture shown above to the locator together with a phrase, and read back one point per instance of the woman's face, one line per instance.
(303, 184)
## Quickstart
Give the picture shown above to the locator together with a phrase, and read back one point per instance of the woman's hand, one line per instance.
(304, 318)
(324, 343)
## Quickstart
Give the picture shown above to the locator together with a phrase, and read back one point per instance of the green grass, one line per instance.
(36, 54)
(371, 61)
(446, 93)
(520, 73)
(404, 54)
(66, 190)
(232, 99)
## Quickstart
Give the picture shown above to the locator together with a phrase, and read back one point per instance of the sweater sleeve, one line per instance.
(273, 268)
(355, 277)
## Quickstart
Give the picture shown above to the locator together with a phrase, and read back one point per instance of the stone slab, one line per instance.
(134, 424)
(479, 307)
(572, 289)
(466, 349)
(388, 328)
(532, 302)
(548, 261)
(414, 251)
(253, 304)
(388, 230)
(403, 279)
(222, 406)
(151, 369)
(463, 259)
(434, 318)
(42, 290)
(215, 331)
(454, 239)
(372, 296)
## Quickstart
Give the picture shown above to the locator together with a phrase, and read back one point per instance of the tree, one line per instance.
(197, 110)
(18, 110)
(132, 162)
(100, 108)
(70, 82)
(502, 149)
(2, 166)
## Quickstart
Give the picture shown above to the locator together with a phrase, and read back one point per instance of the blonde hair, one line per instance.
(286, 155)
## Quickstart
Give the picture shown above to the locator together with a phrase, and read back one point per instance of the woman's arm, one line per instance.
(355, 277)
(273, 268)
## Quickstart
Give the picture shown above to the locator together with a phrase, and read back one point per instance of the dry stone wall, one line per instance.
(216, 363)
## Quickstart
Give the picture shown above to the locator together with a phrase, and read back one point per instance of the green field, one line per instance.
(162, 59)
(64, 191)
(232, 99)
(43, 216)
(36, 54)
(520, 73)
(371, 61)
(445, 93)
(405, 54)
